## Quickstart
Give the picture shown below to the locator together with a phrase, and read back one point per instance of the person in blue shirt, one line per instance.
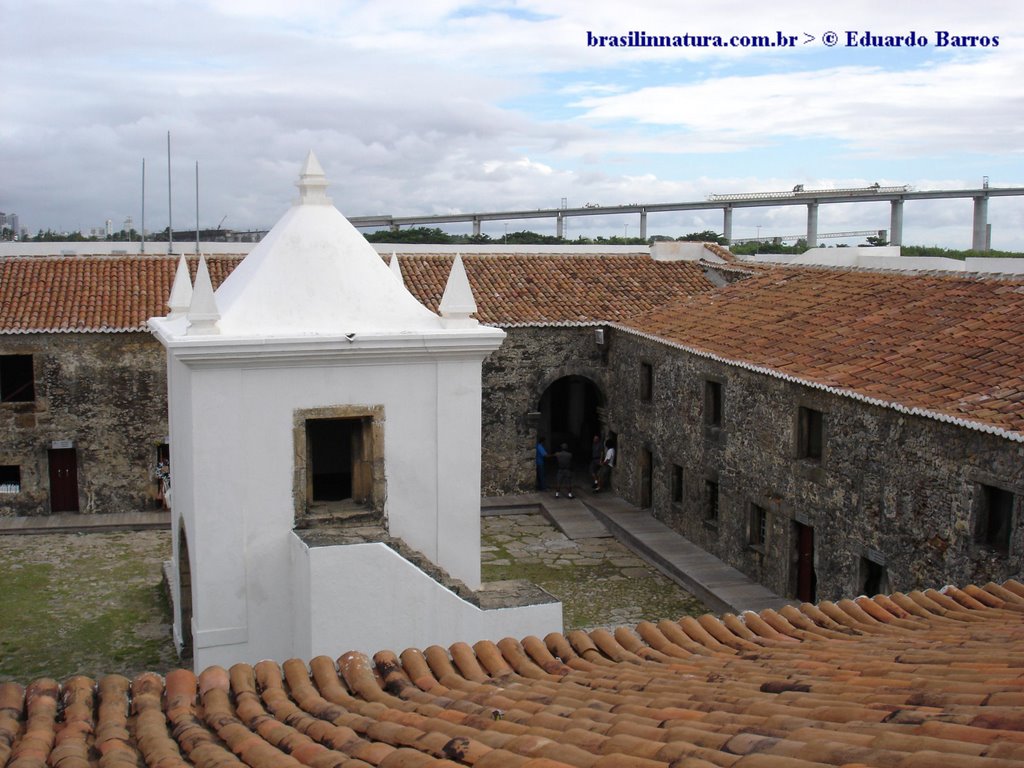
(542, 455)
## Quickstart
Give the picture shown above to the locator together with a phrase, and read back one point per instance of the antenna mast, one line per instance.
(142, 247)
(197, 207)
(170, 225)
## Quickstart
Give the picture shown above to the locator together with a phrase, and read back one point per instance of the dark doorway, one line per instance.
(185, 595)
(805, 578)
(646, 478)
(569, 414)
(63, 480)
(339, 462)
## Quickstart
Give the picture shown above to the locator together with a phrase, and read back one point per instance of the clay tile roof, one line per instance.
(921, 679)
(81, 294)
(951, 346)
(120, 293)
(533, 289)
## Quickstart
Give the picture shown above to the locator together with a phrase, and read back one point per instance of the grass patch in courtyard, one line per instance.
(90, 604)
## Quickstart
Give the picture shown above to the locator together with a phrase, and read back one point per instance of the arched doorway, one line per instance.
(184, 595)
(570, 410)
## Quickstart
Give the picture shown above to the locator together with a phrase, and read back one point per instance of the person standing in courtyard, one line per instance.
(595, 458)
(542, 457)
(604, 473)
(564, 476)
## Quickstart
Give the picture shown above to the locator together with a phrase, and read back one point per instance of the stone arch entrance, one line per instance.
(184, 595)
(571, 410)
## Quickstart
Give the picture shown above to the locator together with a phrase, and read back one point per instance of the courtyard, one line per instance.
(95, 604)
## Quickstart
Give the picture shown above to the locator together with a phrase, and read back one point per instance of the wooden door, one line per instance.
(806, 580)
(63, 480)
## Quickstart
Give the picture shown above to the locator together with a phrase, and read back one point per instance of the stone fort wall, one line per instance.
(106, 393)
(902, 491)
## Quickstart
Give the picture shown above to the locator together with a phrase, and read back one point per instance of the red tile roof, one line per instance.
(89, 293)
(912, 680)
(119, 293)
(952, 346)
(523, 289)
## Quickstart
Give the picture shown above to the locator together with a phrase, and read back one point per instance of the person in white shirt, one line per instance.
(604, 473)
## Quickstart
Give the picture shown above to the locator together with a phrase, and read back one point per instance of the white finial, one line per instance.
(312, 183)
(202, 312)
(457, 303)
(396, 268)
(181, 290)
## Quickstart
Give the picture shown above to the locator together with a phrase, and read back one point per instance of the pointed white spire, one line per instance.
(181, 290)
(396, 268)
(312, 183)
(202, 312)
(457, 303)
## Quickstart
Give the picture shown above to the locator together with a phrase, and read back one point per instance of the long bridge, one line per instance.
(896, 196)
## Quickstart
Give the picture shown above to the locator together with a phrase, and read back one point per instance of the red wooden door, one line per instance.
(806, 580)
(63, 480)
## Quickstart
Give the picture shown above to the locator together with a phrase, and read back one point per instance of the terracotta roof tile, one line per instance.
(862, 682)
(952, 346)
(520, 289)
(89, 293)
(120, 293)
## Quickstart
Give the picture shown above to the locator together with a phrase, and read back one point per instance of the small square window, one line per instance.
(710, 501)
(810, 434)
(758, 526)
(677, 484)
(993, 518)
(874, 579)
(17, 380)
(339, 461)
(338, 472)
(713, 403)
(10, 479)
(646, 382)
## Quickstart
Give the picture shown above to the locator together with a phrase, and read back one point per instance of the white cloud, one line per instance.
(948, 107)
(410, 106)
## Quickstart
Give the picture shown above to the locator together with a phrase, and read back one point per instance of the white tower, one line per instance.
(309, 390)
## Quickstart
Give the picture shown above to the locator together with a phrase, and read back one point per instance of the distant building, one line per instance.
(10, 229)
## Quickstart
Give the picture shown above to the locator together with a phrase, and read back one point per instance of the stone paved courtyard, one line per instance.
(599, 581)
(93, 603)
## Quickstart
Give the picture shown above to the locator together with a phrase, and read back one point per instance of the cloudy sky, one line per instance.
(439, 106)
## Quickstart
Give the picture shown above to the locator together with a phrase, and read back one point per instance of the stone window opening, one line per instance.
(677, 484)
(874, 578)
(338, 468)
(17, 379)
(810, 434)
(339, 461)
(711, 502)
(757, 527)
(713, 404)
(10, 478)
(993, 517)
(646, 382)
